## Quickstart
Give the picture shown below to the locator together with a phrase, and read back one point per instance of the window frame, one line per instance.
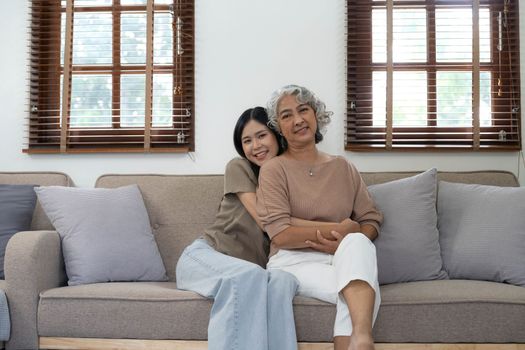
(361, 135)
(46, 133)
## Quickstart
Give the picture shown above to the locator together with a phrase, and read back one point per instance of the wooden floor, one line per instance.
(132, 344)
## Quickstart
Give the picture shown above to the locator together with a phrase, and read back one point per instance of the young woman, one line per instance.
(333, 260)
(252, 307)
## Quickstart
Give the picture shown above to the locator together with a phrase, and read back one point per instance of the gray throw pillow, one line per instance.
(408, 244)
(482, 232)
(17, 203)
(105, 233)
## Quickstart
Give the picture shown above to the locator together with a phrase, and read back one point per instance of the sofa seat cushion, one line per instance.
(452, 311)
(431, 311)
(440, 311)
(127, 310)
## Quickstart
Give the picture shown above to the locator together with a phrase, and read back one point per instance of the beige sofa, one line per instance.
(155, 315)
(21, 313)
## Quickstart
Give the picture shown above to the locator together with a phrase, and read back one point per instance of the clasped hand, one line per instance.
(329, 246)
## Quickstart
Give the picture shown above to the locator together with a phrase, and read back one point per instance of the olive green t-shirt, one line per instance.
(235, 232)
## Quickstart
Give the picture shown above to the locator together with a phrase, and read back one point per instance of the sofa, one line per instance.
(49, 314)
(39, 222)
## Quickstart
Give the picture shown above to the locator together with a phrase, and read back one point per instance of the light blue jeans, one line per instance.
(252, 307)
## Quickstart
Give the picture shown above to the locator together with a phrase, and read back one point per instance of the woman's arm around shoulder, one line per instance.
(239, 176)
(239, 179)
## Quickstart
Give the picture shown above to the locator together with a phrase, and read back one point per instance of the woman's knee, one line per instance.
(251, 272)
(358, 238)
(248, 283)
(282, 281)
(356, 242)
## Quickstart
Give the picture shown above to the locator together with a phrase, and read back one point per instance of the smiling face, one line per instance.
(258, 143)
(297, 121)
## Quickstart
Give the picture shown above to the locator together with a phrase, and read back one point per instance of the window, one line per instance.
(436, 74)
(111, 76)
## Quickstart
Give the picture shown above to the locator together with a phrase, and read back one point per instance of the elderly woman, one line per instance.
(333, 257)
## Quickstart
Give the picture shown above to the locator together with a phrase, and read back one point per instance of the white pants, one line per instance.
(323, 276)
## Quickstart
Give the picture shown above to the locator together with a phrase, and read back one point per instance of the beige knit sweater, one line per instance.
(330, 191)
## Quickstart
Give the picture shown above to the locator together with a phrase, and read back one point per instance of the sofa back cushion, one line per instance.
(105, 233)
(482, 232)
(40, 220)
(180, 207)
(17, 204)
(408, 244)
(483, 177)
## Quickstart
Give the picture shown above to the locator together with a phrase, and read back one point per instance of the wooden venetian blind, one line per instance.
(436, 74)
(111, 76)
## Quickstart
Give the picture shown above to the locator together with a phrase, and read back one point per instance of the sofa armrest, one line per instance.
(33, 263)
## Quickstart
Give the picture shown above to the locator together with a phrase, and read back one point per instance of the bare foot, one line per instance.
(361, 341)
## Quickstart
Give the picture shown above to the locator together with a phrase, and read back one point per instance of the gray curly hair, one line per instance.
(303, 95)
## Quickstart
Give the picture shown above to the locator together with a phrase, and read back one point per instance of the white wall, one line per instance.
(245, 49)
